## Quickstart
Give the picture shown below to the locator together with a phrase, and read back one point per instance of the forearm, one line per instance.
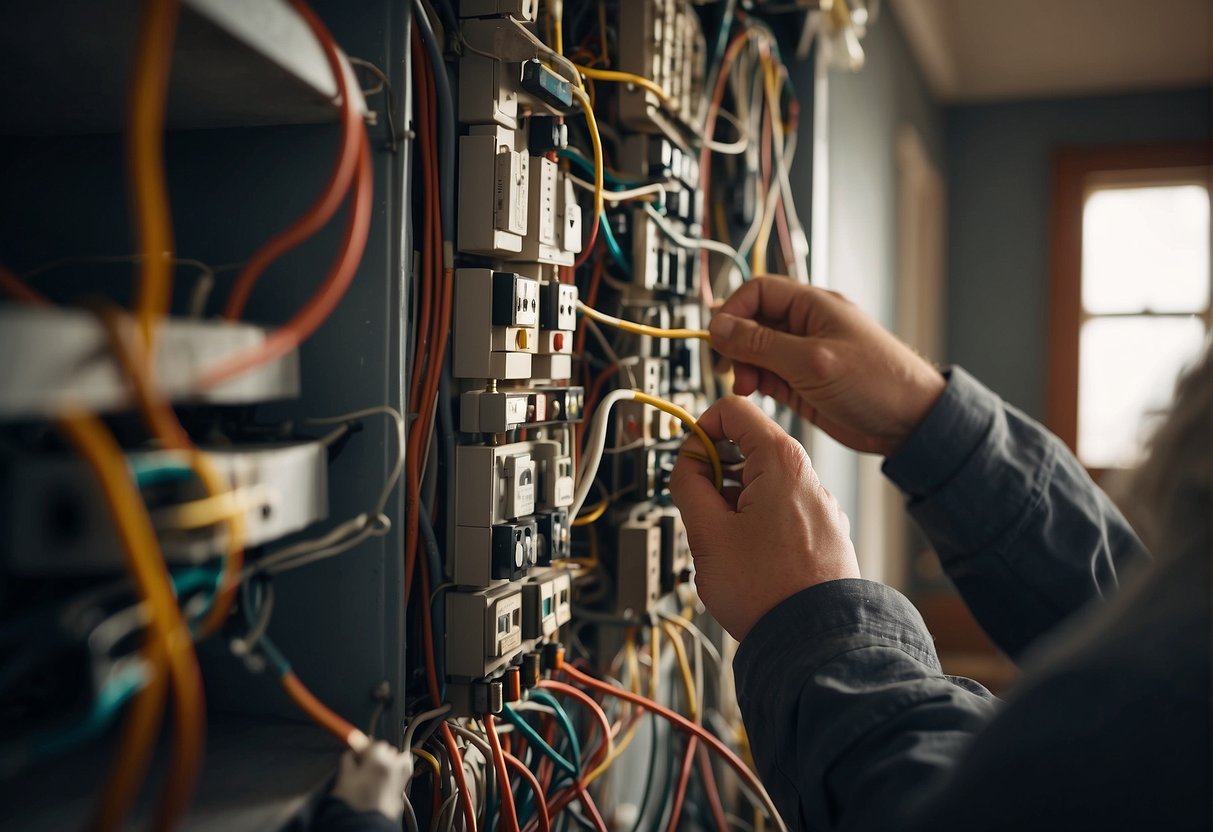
(843, 700)
(1019, 527)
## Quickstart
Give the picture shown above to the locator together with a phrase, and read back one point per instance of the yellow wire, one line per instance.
(684, 668)
(640, 329)
(170, 641)
(593, 514)
(596, 143)
(687, 419)
(145, 161)
(430, 759)
(593, 545)
(758, 255)
(558, 25)
(209, 511)
(627, 78)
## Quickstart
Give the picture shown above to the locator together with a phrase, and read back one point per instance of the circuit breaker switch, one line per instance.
(519, 473)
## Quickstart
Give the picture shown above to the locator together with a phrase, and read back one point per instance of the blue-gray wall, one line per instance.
(998, 169)
(866, 109)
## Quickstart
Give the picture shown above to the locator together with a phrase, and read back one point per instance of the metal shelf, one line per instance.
(64, 66)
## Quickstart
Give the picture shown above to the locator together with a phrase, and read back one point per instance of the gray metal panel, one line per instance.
(53, 358)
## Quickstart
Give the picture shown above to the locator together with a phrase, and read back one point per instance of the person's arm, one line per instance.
(1019, 527)
(1024, 533)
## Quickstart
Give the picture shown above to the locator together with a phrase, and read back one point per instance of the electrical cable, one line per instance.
(686, 726)
(545, 823)
(537, 742)
(706, 245)
(509, 817)
(149, 77)
(596, 144)
(624, 195)
(632, 79)
(341, 273)
(640, 329)
(397, 466)
(326, 204)
(597, 441)
(169, 643)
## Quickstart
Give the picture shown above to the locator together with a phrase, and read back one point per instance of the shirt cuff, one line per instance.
(817, 624)
(954, 429)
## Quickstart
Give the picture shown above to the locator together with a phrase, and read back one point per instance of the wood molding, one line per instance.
(1073, 169)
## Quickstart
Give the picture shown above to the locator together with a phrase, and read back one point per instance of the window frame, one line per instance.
(1076, 172)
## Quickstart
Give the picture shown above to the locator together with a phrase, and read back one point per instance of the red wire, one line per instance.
(709, 786)
(330, 199)
(677, 720)
(684, 778)
(588, 248)
(509, 815)
(545, 821)
(318, 308)
(19, 290)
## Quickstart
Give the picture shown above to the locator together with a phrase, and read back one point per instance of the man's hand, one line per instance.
(818, 353)
(780, 533)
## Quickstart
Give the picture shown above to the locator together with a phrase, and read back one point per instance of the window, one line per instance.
(1130, 294)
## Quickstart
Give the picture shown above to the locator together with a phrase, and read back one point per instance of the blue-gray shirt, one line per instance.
(854, 726)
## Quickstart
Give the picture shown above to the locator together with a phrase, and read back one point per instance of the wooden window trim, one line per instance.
(1075, 171)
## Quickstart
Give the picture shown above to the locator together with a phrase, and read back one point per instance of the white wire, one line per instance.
(415, 723)
(709, 245)
(596, 445)
(387, 410)
(657, 188)
(375, 530)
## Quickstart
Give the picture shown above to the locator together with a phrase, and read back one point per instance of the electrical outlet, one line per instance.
(483, 631)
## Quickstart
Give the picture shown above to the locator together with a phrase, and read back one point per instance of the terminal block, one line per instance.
(553, 232)
(547, 604)
(501, 411)
(555, 536)
(495, 328)
(554, 466)
(494, 190)
(483, 631)
(557, 325)
(495, 484)
(504, 552)
(500, 90)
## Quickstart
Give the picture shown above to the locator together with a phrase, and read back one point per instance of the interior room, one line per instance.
(606, 414)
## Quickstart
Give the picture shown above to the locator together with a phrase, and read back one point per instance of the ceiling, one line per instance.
(985, 50)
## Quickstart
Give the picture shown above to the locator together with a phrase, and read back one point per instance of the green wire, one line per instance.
(613, 246)
(536, 741)
(562, 717)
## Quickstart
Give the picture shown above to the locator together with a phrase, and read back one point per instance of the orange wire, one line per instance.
(505, 795)
(322, 210)
(316, 710)
(145, 160)
(545, 821)
(341, 272)
(97, 446)
(19, 290)
(684, 779)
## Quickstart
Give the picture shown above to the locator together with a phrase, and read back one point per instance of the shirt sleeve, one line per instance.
(843, 700)
(1020, 528)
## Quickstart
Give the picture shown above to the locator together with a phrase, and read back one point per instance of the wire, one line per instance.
(627, 78)
(153, 222)
(509, 815)
(593, 514)
(686, 726)
(623, 195)
(398, 466)
(608, 236)
(598, 432)
(430, 760)
(18, 290)
(596, 144)
(321, 714)
(537, 741)
(210, 511)
(638, 328)
(545, 822)
(414, 723)
(343, 268)
(706, 245)
(326, 204)
(170, 643)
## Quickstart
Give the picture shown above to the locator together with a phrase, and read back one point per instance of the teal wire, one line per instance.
(609, 178)
(153, 473)
(566, 724)
(536, 741)
(613, 246)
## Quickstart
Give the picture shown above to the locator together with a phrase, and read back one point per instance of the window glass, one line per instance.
(1146, 249)
(1127, 372)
